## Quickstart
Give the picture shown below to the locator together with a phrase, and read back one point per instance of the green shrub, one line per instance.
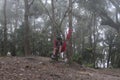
(77, 58)
(89, 65)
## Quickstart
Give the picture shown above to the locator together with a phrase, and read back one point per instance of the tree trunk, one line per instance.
(94, 39)
(90, 36)
(33, 40)
(5, 30)
(109, 55)
(27, 48)
(82, 41)
(16, 25)
(69, 43)
(53, 19)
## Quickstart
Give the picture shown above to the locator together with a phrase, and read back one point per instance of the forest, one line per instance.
(28, 28)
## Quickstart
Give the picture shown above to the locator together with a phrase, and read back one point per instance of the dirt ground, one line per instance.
(40, 68)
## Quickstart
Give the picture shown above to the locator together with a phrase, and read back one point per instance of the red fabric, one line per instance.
(63, 46)
(69, 33)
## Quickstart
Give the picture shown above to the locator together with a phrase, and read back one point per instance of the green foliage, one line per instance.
(20, 53)
(87, 55)
(77, 58)
(89, 65)
(89, 49)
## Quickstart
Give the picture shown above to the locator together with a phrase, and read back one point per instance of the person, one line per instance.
(57, 47)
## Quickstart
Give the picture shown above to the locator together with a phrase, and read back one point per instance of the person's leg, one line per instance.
(54, 52)
(62, 55)
(65, 57)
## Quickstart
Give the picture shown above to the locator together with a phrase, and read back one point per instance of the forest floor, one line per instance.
(40, 68)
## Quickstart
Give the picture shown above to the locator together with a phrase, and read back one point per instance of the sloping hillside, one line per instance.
(40, 68)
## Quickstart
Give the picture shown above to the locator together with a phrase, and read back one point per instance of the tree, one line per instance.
(16, 25)
(69, 43)
(5, 30)
(27, 48)
(110, 38)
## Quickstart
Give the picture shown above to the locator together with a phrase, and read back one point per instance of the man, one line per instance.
(57, 48)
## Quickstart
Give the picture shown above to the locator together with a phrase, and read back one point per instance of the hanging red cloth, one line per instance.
(63, 47)
(69, 33)
(67, 38)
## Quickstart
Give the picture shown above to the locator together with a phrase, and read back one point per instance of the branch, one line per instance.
(48, 12)
(108, 21)
(116, 5)
(65, 14)
(74, 1)
(31, 3)
(67, 11)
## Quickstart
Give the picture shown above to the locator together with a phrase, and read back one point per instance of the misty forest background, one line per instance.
(27, 28)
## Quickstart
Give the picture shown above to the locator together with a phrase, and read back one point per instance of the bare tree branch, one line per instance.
(116, 5)
(107, 20)
(48, 13)
(64, 16)
(31, 3)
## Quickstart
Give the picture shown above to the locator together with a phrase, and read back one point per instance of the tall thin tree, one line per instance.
(5, 29)
(27, 48)
(69, 47)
